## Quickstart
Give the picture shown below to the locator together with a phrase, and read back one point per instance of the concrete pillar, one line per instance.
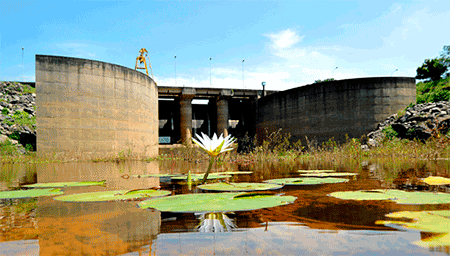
(186, 115)
(222, 112)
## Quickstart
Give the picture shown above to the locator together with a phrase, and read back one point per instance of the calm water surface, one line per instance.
(315, 224)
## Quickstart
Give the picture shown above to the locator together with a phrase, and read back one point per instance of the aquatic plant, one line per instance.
(217, 202)
(429, 221)
(213, 147)
(397, 196)
(30, 193)
(435, 180)
(328, 174)
(113, 195)
(239, 187)
(306, 181)
(66, 184)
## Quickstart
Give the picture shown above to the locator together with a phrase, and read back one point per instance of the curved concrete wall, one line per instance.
(334, 109)
(94, 109)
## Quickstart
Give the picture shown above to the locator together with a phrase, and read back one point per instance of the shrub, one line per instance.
(5, 111)
(7, 148)
(390, 132)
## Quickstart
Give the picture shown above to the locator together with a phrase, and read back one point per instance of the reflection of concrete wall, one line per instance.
(333, 109)
(93, 108)
(106, 228)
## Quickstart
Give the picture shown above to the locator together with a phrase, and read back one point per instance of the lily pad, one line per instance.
(398, 196)
(315, 171)
(232, 173)
(435, 180)
(113, 195)
(306, 181)
(30, 193)
(332, 174)
(200, 176)
(428, 221)
(156, 175)
(66, 184)
(239, 187)
(216, 202)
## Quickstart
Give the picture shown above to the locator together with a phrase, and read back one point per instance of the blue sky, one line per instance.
(284, 43)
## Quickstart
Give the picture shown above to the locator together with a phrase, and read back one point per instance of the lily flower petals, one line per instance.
(215, 145)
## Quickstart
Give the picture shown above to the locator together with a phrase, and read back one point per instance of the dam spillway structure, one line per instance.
(331, 110)
(91, 109)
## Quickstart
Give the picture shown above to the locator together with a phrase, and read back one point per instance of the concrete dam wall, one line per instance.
(92, 108)
(333, 109)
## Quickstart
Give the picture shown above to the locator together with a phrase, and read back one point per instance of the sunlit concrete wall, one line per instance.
(333, 109)
(88, 108)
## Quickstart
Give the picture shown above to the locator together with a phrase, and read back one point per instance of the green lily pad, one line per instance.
(113, 195)
(332, 174)
(66, 184)
(216, 202)
(398, 196)
(306, 181)
(239, 187)
(428, 221)
(232, 173)
(30, 193)
(435, 180)
(315, 171)
(200, 176)
(156, 175)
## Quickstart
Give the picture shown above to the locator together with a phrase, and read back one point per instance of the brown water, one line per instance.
(315, 224)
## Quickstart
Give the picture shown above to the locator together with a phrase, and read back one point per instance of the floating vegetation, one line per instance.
(398, 196)
(436, 180)
(156, 175)
(232, 173)
(428, 221)
(328, 174)
(217, 202)
(306, 181)
(315, 171)
(66, 184)
(113, 195)
(30, 193)
(200, 176)
(239, 187)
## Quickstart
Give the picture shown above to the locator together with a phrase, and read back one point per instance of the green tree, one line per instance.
(325, 80)
(445, 56)
(432, 69)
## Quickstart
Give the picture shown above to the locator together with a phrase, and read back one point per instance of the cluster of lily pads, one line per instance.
(437, 222)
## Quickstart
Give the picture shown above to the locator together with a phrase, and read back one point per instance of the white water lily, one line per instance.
(215, 145)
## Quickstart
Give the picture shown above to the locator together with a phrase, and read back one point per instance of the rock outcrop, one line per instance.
(18, 115)
(420, 122)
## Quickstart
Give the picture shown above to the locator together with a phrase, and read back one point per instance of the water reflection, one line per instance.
(320, 224)
(215, 222)
(106, 228)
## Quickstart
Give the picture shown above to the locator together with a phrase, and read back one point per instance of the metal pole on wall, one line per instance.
(243, 84)
(175, 70)
(22, 64)
(264, 89)
(332, 76)
(210, 79)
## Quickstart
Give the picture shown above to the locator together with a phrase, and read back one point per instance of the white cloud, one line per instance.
(285, 39)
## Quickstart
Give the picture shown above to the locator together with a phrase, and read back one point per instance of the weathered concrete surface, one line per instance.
(333, 109)
(93, 108)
